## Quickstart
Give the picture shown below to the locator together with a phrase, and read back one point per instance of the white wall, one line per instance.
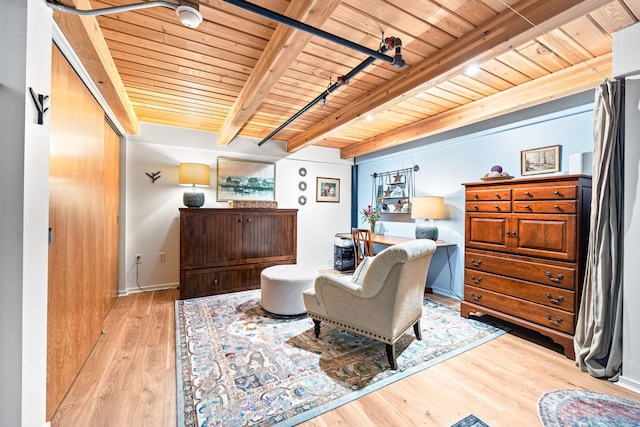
(25, 38)
(466, 155)
(152, 217)
(627, 62)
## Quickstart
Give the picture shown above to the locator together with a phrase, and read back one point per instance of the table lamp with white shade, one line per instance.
(427, 208)
(194, 174)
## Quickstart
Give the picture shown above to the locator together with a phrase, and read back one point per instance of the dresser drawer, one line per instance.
(496, 194)
(551, 207)
(546, 193)
(489, 207)
(541, 294)
(558, 320)
(539, 271)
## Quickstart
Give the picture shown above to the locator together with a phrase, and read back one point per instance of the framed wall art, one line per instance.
(327, 189)
(540, 160)
(245, 180)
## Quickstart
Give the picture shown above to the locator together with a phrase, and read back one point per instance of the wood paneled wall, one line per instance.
(83, 215)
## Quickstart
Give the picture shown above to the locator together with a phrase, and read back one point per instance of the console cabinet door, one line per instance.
(269, 237)
(210, 240)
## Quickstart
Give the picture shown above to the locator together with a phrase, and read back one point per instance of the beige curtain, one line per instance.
(598, 339)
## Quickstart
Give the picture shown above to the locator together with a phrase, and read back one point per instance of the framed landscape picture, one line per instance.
(327, 189)
(245, 180)
(540, 160)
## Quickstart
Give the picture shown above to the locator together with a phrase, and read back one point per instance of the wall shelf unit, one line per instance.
(392, 191)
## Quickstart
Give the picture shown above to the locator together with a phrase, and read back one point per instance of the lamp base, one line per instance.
(192, 199)
(426, 230)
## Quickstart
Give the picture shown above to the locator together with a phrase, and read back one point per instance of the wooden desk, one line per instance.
(383, 239)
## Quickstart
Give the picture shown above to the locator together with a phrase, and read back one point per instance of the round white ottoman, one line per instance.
(281, 288)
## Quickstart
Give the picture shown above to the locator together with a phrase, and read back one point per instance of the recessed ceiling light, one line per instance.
(472, 69)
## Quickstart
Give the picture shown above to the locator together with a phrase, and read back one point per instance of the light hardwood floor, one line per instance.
(130, 380)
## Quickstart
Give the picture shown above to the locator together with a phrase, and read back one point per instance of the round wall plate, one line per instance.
(302, 200)
(302, 172)
(302, 185)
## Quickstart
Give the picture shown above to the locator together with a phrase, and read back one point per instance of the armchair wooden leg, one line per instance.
(417, 330)
(316, 327)
(391, 355)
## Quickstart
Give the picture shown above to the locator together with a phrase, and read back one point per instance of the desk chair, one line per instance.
(362, 246)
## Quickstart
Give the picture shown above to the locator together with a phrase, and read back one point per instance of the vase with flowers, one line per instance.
(371, 215)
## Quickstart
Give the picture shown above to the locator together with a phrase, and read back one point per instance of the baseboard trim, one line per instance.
(152, 288)
(629, 384)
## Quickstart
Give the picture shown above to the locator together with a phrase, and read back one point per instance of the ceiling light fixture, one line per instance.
(189, 13)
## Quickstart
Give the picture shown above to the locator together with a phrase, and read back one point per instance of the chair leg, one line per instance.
(391, 355)
(417, 330)
(316, 327)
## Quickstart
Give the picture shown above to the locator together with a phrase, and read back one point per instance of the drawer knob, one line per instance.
(497, 195)
(526, 193)
(475, 207)
(557, 193)
(476, 263)
(497, 207)
(475, 196)
(513, 233)
(554, 279)
(474, 280)
(557, 207)
(553, 322)
(476, 297)
(555, 300)
(527, 207)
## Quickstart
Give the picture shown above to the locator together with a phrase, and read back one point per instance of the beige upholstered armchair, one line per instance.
(381, 300)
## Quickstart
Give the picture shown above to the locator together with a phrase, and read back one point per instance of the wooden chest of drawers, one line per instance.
(525, 245)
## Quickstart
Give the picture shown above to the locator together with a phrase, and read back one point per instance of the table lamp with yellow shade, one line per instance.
(194, 174)
(427, 208)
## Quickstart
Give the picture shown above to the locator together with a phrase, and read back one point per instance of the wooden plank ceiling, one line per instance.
(239, 73)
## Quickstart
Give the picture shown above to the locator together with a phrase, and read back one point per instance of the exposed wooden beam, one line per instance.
(568, 81)
(496, 36)
(84, 35)
(283, 48)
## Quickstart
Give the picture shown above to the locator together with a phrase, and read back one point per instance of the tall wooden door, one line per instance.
(83, 217)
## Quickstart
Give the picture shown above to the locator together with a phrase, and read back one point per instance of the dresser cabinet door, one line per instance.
(487, 231)
(547, 236)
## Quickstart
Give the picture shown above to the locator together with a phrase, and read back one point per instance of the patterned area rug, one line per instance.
(470, 421)
(585, 408)
(238, 366)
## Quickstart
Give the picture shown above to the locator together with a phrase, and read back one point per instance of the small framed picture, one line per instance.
(327, 189)
(540, 160)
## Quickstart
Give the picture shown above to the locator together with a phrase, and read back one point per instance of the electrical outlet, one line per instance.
(138, 259)
(161, 257)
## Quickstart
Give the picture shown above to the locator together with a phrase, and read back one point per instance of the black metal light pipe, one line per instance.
(342, 81)
(312, 30)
